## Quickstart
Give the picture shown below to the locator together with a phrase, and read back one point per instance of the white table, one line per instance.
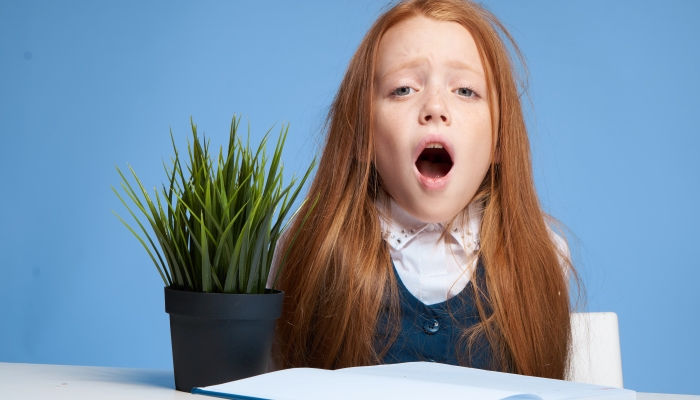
(49, 382)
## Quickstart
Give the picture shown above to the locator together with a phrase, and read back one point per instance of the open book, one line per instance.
(416, 380)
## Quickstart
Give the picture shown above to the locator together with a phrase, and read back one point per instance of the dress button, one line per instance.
(431, 326)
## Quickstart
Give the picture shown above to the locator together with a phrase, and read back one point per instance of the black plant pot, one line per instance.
(219, 338)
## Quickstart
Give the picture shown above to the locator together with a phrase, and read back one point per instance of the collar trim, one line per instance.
(399, 228)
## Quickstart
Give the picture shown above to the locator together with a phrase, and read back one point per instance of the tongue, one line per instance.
(433, 169)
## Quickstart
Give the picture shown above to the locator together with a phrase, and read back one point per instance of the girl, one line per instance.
(426, 240)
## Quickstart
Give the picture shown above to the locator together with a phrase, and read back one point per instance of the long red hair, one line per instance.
(337, 274)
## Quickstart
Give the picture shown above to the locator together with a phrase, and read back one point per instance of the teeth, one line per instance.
(434, 146)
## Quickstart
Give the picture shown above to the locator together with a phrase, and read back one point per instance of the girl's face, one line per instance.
(432, 125)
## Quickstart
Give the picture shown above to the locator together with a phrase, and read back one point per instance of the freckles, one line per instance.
(477, 119)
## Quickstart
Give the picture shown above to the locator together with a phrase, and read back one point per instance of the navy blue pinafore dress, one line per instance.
(432, 332)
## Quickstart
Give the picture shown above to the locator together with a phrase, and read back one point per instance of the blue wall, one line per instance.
(85, 86)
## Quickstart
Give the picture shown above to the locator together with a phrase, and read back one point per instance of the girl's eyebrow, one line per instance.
(459, 64)
(410, 64)
(454, 63)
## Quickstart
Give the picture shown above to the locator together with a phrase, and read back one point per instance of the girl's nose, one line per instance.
(435, 110)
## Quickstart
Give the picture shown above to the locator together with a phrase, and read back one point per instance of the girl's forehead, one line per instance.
(420, 41)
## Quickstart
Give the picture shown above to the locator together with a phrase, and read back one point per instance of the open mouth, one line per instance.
(434, 161)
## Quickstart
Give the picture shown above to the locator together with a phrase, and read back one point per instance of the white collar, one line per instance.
(399, 227)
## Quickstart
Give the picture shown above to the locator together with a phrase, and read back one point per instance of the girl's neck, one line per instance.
(392, 214)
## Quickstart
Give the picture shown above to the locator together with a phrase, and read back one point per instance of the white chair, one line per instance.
(595, 353)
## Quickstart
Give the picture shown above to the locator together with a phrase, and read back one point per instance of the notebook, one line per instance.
(407, 381)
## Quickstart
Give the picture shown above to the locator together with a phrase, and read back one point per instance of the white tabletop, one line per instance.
(49, 382)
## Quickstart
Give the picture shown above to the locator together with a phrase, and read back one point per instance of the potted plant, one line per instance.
(214, 230)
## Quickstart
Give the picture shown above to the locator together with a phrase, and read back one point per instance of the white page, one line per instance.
(547, 389)
(311, 384)
(408, 381)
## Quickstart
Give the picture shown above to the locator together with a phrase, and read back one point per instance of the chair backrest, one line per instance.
(595, 354)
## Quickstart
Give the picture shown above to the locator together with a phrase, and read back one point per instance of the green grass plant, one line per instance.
(215, 225)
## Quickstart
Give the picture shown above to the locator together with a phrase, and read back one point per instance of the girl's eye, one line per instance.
(402, 91)
(466, 92)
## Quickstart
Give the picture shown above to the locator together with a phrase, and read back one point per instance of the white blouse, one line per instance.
(431, 268)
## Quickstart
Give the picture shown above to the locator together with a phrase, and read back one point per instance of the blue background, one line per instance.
(85, 86)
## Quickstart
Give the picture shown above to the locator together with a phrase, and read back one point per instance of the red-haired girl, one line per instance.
(426, 240)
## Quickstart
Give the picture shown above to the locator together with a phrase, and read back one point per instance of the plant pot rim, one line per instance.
(267, 292)
(223, 305)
